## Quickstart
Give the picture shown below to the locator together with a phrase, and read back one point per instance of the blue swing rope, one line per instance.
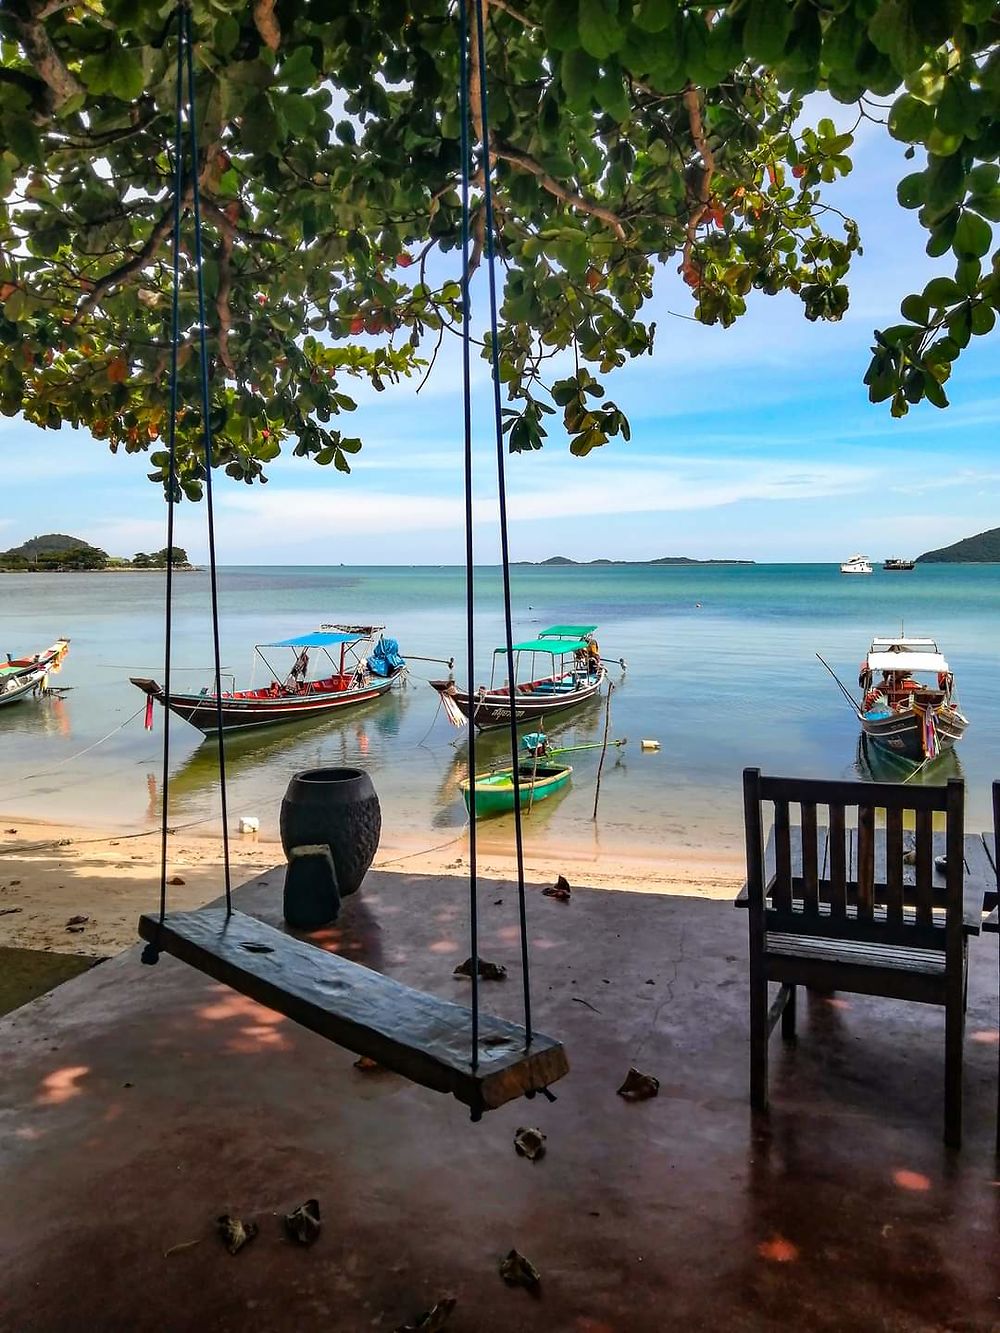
(151, 952)
(502, 494)
(470, 601)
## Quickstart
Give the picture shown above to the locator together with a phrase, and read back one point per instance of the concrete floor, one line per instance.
(138, 1103)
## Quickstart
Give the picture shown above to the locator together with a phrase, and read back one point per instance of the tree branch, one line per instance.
(44, 58)
(222, 303)
(514, 13)
(576, 201)
(131, 266)
(692, 102)
(266, 24)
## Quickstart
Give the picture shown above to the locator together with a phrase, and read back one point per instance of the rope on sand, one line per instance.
(60, 763)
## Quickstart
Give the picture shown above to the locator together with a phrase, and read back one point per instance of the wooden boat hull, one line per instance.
(22, 676)
(244, 714)
(495, 791)
(901, 734)
(492, 709)
(18, 688)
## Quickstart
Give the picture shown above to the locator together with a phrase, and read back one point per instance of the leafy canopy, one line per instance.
(624, 134)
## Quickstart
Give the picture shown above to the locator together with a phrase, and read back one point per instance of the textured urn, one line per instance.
(337, 807)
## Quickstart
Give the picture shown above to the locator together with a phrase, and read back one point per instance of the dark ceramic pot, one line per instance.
(337, 807)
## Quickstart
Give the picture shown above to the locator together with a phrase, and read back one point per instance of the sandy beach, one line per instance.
(51, 873)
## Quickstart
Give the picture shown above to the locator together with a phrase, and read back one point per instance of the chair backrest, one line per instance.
(855, 880)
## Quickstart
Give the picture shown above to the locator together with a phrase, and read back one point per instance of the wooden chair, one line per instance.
(995, 925)
(841, 916)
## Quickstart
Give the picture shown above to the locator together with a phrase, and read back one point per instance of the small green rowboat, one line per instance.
(495, 791)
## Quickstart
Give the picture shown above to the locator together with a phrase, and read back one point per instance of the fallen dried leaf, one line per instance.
(235, 1233)
(517, 1271)
(529, 1143)
(8, 911)
(638, 1087)
(303, 1225)
(176, 880)
(487, 970)
(559, 890)
(365, 1062)
(78, 920)
(431, 1321)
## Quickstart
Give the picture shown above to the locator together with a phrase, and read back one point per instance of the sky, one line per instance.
(756, 442)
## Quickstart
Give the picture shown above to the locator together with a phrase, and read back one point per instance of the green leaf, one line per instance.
(895, 32)
(559, 23)
(912, 190)
(933, 392)
(260, 127)
(942, 292)
(767, 29)
(298, 70)
(958, 110)
(22, 138)
(909, 120)
(227, 34)
(655, 15)
(601, 34)
(613, 96)
(973, 236)
(915, 308)
(578, 74)
(983, 318)
(945, 181)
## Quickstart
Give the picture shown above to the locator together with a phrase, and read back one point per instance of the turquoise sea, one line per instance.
(721, 671)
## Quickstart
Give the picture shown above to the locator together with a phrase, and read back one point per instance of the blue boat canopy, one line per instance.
(314, 639)
(556, 647)
(567, 631)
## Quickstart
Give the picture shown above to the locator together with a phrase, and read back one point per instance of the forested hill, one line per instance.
(51, 542)
(983, 548)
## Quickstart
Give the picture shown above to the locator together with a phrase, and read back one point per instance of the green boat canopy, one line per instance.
(567, 631)
(555, 647)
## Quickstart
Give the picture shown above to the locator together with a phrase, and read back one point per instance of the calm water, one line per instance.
(721, 671)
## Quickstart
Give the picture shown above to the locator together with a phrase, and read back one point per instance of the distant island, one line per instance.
(55, 553)
(982, 549)
(661, 560)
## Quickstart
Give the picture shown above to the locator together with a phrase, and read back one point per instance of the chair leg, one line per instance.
(758, 1043)
(788, 1015)
(954, 1033)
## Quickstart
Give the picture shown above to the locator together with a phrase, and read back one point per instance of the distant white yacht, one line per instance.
(858, 564)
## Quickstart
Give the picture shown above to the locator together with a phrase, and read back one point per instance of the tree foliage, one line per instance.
(623, 135)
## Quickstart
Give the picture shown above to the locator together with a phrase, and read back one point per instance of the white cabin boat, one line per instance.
(858, 564)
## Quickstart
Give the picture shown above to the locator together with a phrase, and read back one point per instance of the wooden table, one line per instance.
(980, 881)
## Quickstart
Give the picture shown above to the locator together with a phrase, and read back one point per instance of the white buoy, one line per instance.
(649, 745)
(249, 824)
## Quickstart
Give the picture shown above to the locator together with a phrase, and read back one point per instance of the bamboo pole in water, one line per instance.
(604, 747)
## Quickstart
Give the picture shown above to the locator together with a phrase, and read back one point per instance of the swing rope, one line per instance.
(151, 952)
(470, 601)
(502, 496)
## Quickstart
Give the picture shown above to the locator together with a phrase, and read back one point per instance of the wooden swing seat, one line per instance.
(422, 1037)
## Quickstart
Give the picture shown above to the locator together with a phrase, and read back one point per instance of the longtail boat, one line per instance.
(358, 664)
(575, 673)
(902, 715)
(21, 676)
(495, 791)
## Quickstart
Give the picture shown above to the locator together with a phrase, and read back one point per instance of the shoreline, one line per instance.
(51, 872)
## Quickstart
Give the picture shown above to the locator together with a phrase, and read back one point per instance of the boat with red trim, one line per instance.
(21, 676)
(911, 718)
(359, 664)
(575, 674)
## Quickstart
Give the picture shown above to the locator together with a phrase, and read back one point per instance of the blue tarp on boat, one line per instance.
(384, 659)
